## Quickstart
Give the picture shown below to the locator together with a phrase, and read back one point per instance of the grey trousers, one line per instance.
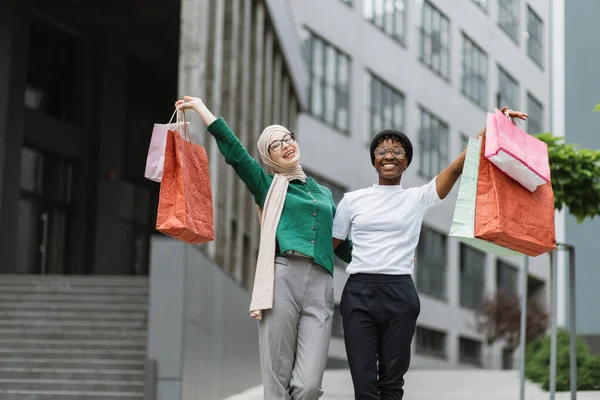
(294, 335)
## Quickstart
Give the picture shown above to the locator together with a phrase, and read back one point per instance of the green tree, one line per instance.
(597, 108)
(575, 177)
(537, 364)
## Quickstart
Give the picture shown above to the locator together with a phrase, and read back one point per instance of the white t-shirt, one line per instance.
(384, 224)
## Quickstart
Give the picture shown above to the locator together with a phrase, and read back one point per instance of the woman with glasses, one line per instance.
(379, 303)
(293, 287)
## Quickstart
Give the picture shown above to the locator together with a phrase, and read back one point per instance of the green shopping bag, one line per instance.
(463, 222)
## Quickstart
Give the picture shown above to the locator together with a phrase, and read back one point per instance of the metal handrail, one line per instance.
(553, 331)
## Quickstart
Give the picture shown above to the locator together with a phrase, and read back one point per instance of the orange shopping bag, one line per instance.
(509, 215)
(185, 208)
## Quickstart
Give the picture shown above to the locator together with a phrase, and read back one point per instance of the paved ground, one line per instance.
(441, 385)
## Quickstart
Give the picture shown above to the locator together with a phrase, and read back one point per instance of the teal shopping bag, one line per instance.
(463, 222)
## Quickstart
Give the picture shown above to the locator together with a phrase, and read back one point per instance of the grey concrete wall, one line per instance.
(582, 92)
(200, 331)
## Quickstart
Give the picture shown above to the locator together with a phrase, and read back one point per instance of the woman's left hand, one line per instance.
(511, 114)
(515, 114)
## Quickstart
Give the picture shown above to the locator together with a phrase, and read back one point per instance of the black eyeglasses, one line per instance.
(396, 151)
(276, 145)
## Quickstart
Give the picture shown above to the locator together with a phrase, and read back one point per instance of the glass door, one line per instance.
(44, 207)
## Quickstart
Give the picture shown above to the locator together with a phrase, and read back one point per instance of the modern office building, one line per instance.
(432, 69)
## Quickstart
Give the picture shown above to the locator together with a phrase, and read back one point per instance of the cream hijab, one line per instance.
(264, 280)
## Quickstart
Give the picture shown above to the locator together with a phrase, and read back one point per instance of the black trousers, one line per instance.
(380, 315)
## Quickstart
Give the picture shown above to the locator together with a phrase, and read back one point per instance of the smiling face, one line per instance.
(390, 166)
(283, 149)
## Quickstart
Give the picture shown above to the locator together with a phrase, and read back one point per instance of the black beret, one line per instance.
(401, 137)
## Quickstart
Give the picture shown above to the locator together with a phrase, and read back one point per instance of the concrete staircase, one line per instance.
(68, 338)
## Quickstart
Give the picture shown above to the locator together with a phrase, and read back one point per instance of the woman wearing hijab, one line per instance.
(292, 298)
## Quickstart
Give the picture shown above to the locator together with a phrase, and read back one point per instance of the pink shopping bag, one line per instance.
(156, 153)
(518, 154)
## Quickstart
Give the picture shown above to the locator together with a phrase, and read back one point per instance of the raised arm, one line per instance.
(447, 178)
(236, 155)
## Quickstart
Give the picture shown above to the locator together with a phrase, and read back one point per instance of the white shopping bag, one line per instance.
(156, 153)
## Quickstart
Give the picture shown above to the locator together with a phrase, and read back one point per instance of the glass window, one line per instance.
(507, 277)
(470, 352)
(386, 110)
(474, 75)
(535, 43)
(435, 37)
(430, 342)
(431, 264)
(535, 110)
(433, 144)
(472, 277)
(508, 18)
(329, 89)
(54, 72)
(387, 15)
(508, 90)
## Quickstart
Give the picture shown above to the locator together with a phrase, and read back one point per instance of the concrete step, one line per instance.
(64, 353)
(73, 385)
(72, 337)
(68, 344)
(86, 374)
(83, 280)
(33, 305)
(74, 298)
(65, 363)
(43, 315)
(30, 323)
(56, 289)
(74, 334)
(66, 395)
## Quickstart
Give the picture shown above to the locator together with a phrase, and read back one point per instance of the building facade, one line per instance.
(73, 195)
(574, 94)
(81, 86)
(432, 69)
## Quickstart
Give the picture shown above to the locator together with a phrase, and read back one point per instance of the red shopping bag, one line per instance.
(509, 215)
(185, 208)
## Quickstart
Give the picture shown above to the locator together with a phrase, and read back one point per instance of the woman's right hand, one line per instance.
(194, 103)
(188, 103)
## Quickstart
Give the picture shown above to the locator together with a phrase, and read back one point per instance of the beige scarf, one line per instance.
(264, 280)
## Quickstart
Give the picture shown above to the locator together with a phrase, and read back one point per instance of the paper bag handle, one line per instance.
(185, 130)
(513, 120)
(173, 116)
